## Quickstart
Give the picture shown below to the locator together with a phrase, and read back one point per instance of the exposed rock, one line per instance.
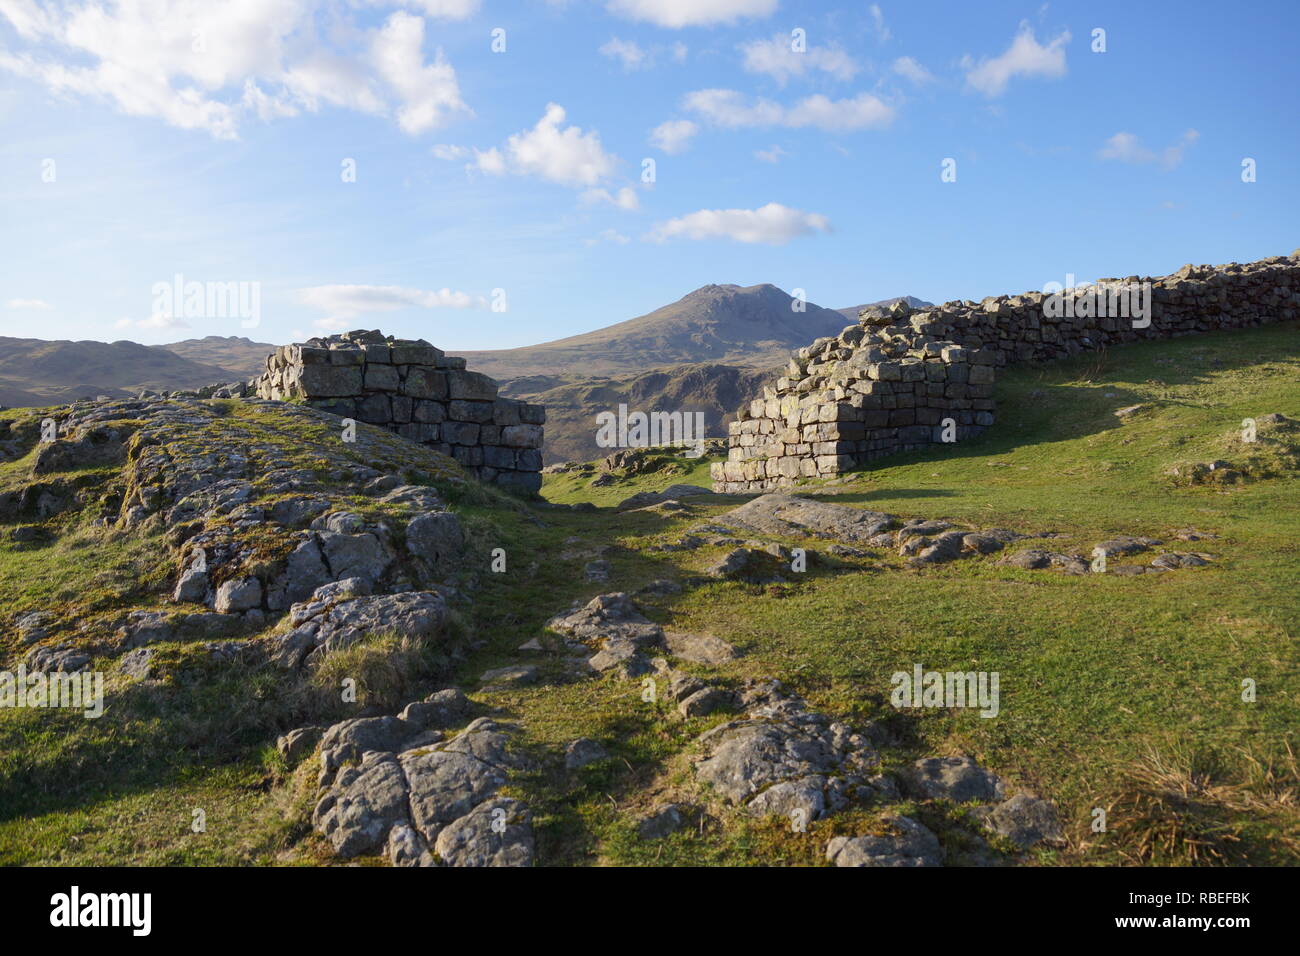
(447, 785)
(497, 832)
(581, 752)
(511, 676)
(48, 660)
(238, 595)
(436, 537)
(406, 848)
(643, 499)
(137, 663)
(748, 564)
(347, 741)
(789, 516)
(437, 711)
(362, 805)
(699, 648)
(298, 743)
(1180, 559)
(913, 845)
(1024, 820)
(191, 587)
(958, 779)
(660, 822)
(1125, 544)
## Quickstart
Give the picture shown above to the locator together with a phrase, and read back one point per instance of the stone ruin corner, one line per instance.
(419, 392)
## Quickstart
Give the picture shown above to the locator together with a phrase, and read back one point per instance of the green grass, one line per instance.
(1119, 693)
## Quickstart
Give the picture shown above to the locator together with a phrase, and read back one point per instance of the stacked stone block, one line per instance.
(888, 383)
(420, 393)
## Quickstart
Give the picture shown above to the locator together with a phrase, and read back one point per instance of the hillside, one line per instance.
(35, 371)
(717, 324)
(240, 356)
(572, 406)
(851, 313)
(1120, 690)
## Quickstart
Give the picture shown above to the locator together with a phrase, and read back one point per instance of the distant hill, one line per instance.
(243, 357)
(851, 313)
(572, 406)
(717, 324)
(39, 372)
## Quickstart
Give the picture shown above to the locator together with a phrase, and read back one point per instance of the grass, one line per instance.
(1118, 694)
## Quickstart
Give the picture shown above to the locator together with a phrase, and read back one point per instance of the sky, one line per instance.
(496, 173)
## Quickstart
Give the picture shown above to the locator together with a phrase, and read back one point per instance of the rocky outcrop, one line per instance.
(416, 390)
(902, 379)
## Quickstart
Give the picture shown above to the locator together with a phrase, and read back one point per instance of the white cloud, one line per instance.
(730, 110)
(1127, 148)
(550, 151)
(628, 52)
(1024, 57)
(428, 93)
(772, 155)
(206, 66)
(608, 235)
(448, 152)
(777, 59)
(37, 304)
(883, 33)
(909, 69)
(773, 224)
(349, 301)
(688, 13)
(625, 198)
(490, 161)
(673, 136)
(440, 9)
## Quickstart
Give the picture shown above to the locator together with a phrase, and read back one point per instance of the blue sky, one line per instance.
(146, 139)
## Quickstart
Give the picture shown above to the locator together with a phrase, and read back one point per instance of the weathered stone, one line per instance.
(959, 779)
(362, 805)
(497, 832)
(913, 845)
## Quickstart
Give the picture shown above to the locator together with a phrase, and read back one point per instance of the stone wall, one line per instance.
(417, 391)
(889, 382)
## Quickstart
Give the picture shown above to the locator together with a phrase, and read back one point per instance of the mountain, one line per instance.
(851, 313)
(39, 372)
(243, 357)
(572, 405)
(717, 324)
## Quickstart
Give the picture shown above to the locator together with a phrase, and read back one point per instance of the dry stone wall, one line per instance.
(901, 379)
(414, 389)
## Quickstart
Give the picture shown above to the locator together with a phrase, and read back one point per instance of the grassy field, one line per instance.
(1119, 693)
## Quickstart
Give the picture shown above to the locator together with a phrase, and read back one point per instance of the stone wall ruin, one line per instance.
(417, 391)
(888, 383)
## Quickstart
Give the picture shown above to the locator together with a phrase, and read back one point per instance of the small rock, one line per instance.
(914, 845)
(699, 648)
(581, 752)
(958, 779)
(1024, 820)
(660, 822)
(298, 743)
(512, 675)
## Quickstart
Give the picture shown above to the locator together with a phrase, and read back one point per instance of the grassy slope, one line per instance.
(1096, 670)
